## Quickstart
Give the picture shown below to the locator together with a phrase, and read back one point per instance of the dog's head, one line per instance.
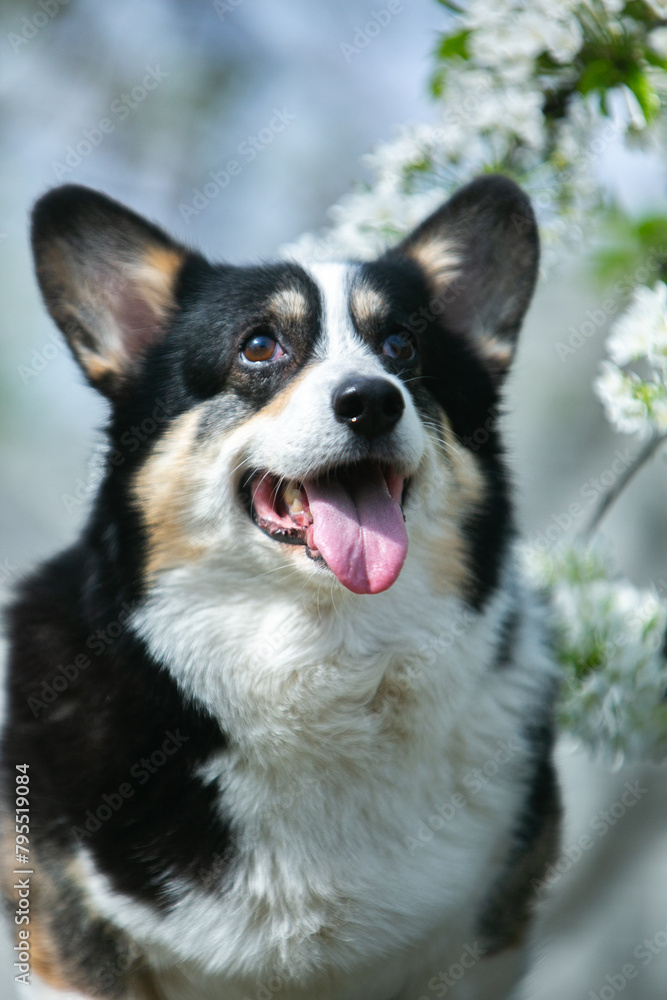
(309, 422)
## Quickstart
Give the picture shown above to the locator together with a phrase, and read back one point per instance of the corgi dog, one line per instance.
(279, 725)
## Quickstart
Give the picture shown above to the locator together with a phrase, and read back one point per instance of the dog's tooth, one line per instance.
(292, 491)
(293, 499)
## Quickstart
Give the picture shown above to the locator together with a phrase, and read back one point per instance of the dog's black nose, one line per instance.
(370, 406)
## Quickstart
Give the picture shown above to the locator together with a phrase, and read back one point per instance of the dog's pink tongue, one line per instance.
(358, 529)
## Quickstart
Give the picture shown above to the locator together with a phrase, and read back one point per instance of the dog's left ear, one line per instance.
(480, 255)
(108, 278)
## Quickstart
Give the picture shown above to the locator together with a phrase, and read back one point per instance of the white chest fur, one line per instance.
(375, 768)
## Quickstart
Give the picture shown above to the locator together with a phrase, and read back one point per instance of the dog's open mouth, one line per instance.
(350, 517)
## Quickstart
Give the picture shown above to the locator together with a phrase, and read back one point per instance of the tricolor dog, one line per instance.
(285, 708)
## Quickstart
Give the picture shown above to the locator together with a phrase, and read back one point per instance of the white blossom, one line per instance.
(611, 634)
(634, 405)
(611, 647)
(633, 402)
(506, 34)
(658, 41)
(492, 111)
(641, 332)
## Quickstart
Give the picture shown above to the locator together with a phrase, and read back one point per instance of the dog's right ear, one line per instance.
(108, 278)
(479, 252)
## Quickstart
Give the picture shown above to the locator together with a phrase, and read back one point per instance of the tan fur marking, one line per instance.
(44, 958)
(367, 304)
(469, 478)
(279, 402)
(98, 367)
(156, 276)
(289, 306)
(449, 561)
(394, 701)
(166, 486)
(438, 258)
(153, 276)
(163, 489)
(498, 350)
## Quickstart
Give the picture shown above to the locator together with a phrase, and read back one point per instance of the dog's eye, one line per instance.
(400, 347)
(262, 347)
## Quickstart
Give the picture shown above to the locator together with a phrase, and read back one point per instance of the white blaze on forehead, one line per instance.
(298, 434)
(339, 338)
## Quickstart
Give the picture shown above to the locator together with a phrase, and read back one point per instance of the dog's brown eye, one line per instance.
(262, 347)
(400, 347)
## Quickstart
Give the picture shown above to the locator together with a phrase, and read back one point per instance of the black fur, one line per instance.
(118, 708)
(195, 358)
(115, 711)
(508, 635)
(535, 843)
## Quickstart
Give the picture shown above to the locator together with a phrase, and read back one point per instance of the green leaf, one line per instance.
(454, 7)
(436, 84)
(630, 245)
(599, 74)
(640, 85)
(652, 232)
(454, 46)
(654, 59)
(640, 11)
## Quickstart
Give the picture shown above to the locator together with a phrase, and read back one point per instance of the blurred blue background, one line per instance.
(181, 87)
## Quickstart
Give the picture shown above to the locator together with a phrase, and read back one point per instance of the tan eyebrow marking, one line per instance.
(289, 305)
(367, 304)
